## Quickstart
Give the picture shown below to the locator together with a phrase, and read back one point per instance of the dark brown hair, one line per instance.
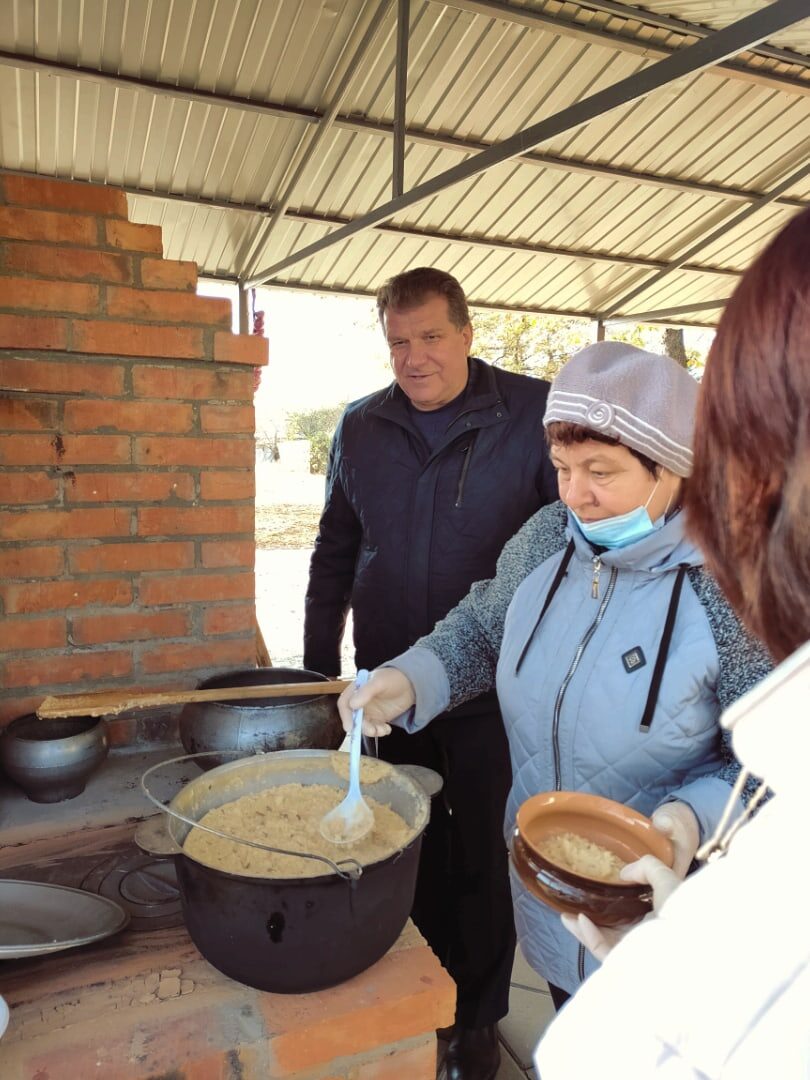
(564, 433)
(413, 287)
(749, 499)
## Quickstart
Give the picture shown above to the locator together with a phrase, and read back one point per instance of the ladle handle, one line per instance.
(356, 740)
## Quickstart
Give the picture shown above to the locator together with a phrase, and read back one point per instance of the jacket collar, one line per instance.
(771, 735)
(480, 397)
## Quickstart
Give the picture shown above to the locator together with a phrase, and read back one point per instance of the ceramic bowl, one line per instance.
(51, 760)
(614, 826)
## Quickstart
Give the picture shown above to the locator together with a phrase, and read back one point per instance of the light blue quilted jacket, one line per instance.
(572, 712)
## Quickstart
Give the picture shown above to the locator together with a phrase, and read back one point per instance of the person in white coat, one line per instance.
(716, 984)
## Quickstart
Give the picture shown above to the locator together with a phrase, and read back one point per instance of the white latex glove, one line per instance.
(387, 694)
(677, 821)
(599, 940)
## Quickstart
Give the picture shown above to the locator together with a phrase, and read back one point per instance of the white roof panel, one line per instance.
(220, 101)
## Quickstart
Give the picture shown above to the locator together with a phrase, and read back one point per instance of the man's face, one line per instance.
(428, 353)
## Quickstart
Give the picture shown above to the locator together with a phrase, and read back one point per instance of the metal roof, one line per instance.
(659, 157)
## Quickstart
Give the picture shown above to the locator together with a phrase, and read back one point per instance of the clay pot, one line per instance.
(625, 832)
(51, 760)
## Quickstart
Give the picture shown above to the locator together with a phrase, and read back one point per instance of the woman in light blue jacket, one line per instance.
(613, 651)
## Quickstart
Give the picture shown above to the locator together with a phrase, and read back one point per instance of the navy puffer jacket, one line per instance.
(405, 532)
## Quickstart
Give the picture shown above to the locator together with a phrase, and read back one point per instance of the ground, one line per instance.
(287, 525)
(287, 512)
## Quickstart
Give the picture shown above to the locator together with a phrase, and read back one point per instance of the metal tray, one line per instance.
(37, 918)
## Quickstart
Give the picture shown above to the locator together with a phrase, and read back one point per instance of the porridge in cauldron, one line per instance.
(582, 856)
(288, 816)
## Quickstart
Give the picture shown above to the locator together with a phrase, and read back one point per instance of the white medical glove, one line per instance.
(599, 940)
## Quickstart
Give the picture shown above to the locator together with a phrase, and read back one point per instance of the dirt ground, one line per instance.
(285, 533)
(287, 525)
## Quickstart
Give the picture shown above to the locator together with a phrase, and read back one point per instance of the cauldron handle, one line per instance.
(352, 874)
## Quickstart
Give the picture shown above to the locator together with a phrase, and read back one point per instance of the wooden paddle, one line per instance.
(112, 702)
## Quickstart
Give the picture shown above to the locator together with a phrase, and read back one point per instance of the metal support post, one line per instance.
(400, 95)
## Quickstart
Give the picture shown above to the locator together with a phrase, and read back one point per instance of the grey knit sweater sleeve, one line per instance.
(743, 662)
(467, 641)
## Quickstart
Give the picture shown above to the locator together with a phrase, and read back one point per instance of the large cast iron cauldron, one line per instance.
(279, 723)
(296, 935)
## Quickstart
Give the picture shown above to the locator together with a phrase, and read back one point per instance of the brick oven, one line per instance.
(127, 455)
(126, 560)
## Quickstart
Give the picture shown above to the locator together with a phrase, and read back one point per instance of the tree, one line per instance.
(528, 344)
(674, 346)
(540, 344)
(317, 425)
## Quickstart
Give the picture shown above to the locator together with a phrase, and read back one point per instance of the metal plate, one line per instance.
(37, 918)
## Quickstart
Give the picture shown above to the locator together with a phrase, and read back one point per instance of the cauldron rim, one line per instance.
(229, 681)
(289, 756)
(310, 879)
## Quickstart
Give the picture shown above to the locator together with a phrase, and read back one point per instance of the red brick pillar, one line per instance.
(126, 455)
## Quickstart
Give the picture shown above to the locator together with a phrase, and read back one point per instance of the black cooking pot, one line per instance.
(296, 935)
(260, 724)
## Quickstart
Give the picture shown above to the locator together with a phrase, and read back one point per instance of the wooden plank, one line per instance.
(112, 702)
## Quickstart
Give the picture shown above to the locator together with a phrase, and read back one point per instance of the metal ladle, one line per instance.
(353, 818)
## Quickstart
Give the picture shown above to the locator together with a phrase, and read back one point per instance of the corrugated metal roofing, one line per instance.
(215, 101)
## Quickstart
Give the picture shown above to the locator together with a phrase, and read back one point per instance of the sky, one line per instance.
(323, 349)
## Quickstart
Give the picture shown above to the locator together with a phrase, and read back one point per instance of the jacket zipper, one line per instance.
(467, 452)
(597, 569)
(555, 731)
(581, 963)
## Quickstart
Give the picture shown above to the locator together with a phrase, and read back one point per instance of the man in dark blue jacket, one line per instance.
(427, 479)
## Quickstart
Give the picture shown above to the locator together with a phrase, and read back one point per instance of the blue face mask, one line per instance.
(621, 530)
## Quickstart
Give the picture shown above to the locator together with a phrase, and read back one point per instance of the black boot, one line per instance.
(473, 1053)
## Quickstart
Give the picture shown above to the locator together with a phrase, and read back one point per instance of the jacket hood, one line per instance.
(661, 551)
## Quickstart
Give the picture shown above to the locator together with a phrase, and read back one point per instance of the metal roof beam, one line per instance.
(681, 26)
(532, 18)
(515, 246)
(706, 241)
(334, 221)
(553, 161)
(329, 290)
(336, 290)
(162, 89)
(727, 42)
(375, 127)
(400, 96)
(666, 314)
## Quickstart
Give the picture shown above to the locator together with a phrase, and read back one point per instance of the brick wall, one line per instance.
(126, 455)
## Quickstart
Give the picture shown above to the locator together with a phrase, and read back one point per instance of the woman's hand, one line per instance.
(387, 694)
(599, 940)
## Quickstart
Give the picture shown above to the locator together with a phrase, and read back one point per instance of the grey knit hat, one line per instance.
(644, 400)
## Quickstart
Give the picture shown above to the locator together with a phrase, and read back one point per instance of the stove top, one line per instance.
(109, 863)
